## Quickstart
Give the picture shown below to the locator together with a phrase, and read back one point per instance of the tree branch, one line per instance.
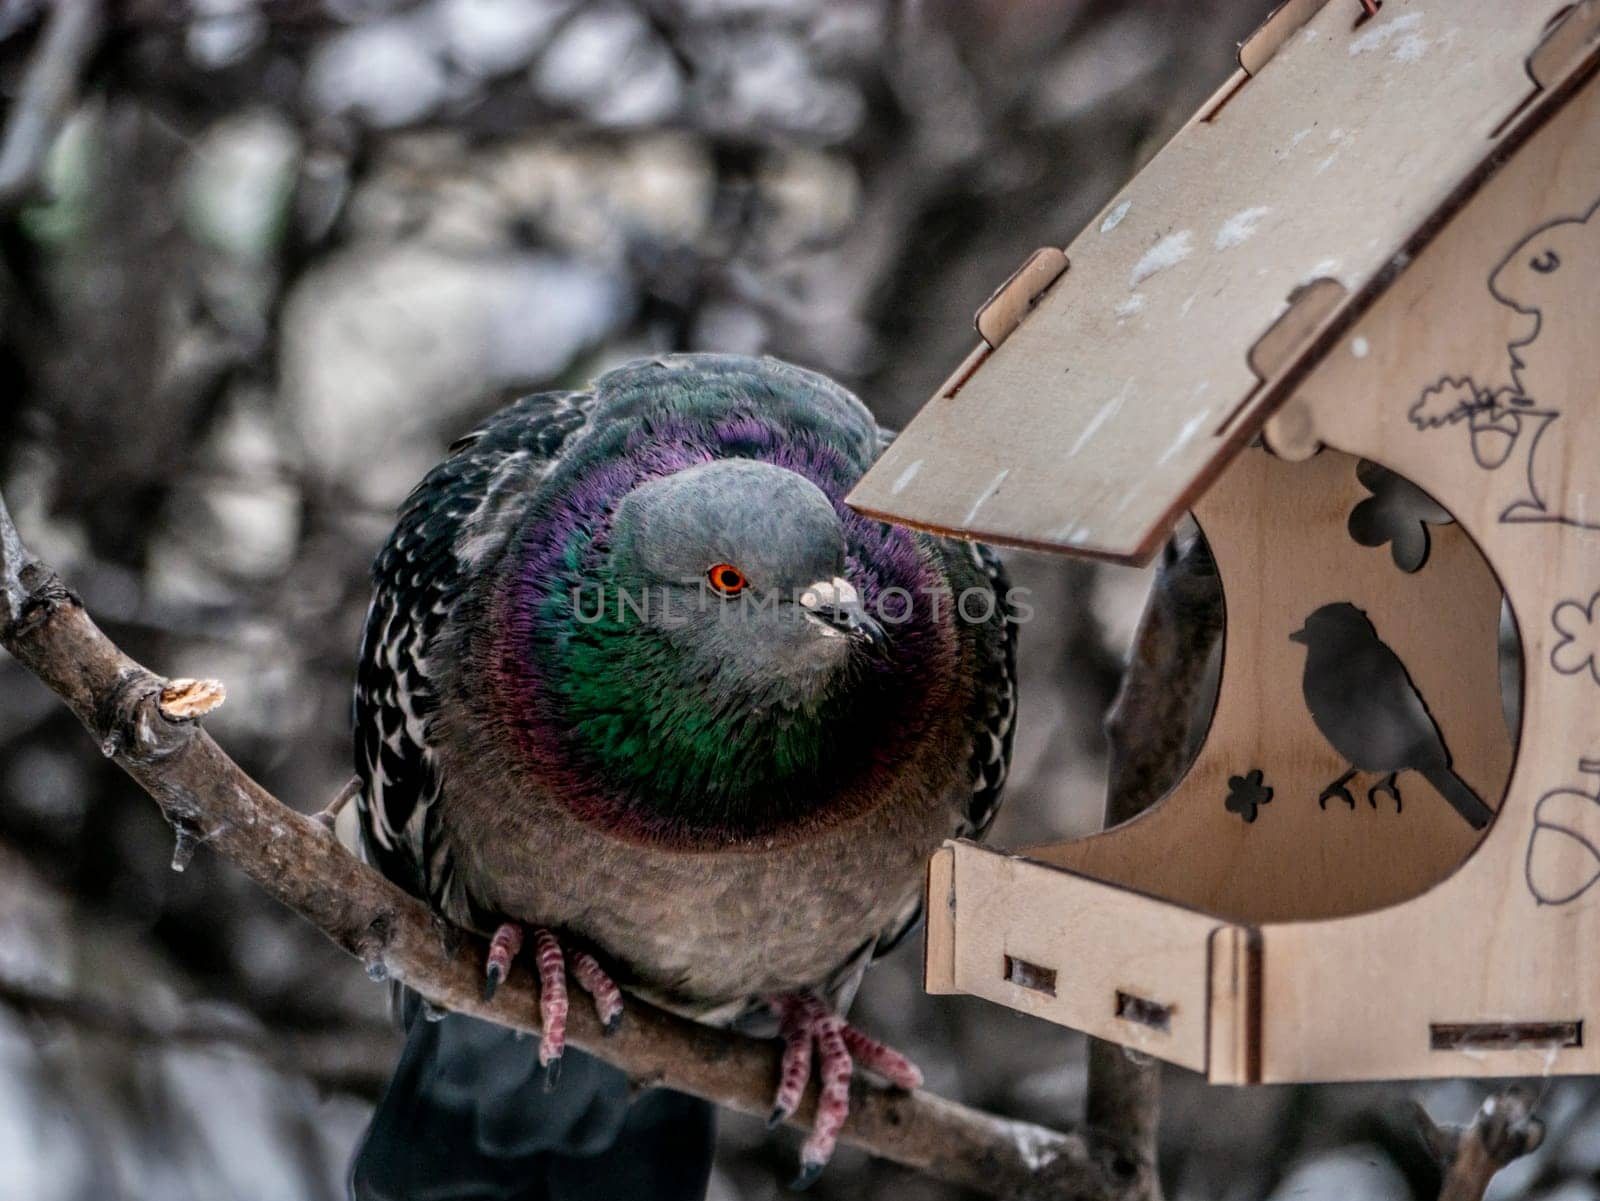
(1149, 732)
(1505, 1128)
(210, 800)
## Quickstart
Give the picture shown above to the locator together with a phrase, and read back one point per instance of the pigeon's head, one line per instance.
(1340, 624)
(696, 640)
(739, 566)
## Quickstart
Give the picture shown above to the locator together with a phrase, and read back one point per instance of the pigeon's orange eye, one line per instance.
(726, 579)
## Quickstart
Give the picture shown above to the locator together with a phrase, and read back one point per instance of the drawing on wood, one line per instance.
(1564, 849)
(1577, 647)
(1524, 419)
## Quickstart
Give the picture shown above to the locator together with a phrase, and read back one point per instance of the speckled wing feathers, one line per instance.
(995, 702)
(450, 526)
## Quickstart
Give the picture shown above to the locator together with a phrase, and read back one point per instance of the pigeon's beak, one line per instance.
(835, 607)
(1301, 637)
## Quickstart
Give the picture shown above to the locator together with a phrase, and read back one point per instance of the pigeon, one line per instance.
(645, 704)
(1369, 710)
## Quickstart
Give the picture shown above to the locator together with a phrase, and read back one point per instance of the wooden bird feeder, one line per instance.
(1350, 318)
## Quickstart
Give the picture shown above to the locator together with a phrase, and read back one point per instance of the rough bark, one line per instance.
(1504, 1129)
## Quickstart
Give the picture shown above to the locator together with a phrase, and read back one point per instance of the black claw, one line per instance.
(775, 1118)
(613, 1024)
(552, 1074)
(809, 1171)
(491, 980)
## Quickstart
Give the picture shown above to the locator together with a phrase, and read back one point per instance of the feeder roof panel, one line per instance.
(1096, 421)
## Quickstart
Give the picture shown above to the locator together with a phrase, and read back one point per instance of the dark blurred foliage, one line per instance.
(286, 251)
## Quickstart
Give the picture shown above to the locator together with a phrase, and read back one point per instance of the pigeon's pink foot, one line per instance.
(503, 948)
(552, 966)
(806, 1024)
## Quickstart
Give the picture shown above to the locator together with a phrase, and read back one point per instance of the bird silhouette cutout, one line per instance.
(1365, 704)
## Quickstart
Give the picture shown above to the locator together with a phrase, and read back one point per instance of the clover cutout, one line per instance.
(1246, 795)
(1579, 645)
(1398, 513)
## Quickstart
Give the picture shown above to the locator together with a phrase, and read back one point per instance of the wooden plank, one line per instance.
(1084, 953)
(1126, 390)
(1234, 1049)
(939, 926)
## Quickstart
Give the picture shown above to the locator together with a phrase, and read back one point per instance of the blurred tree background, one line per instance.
(281, 253)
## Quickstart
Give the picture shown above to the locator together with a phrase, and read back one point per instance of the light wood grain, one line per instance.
(1127, 389)
(1339, 944)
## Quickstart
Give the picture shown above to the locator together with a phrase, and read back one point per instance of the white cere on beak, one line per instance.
(826, 596)
(828, 593)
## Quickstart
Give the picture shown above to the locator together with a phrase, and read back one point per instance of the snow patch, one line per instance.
(1410, 48)
(1171, 250)
(1189, 430)
(1131, 305)
(1037, 1148)
(1105, 414)
(1115, 216)
(983, 497)
(1240, 227)
(1381, 35)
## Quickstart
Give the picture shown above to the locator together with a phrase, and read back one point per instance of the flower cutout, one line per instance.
(1397, 513)
(1578, 645)
(1246, 794)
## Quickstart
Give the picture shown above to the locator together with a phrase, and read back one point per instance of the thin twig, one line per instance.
(47, 96)
(328, 815)
(295, 860)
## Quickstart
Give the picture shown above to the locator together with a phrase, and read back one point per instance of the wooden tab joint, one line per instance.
(1572, 35)
(999, 316)
(1281, 23)
(1289, 432)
